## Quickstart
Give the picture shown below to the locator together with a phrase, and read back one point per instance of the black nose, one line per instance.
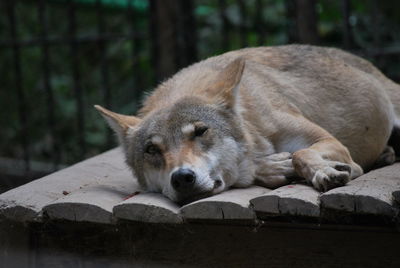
(183, 179)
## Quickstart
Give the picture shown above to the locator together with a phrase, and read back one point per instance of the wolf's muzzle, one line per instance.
(183, 180)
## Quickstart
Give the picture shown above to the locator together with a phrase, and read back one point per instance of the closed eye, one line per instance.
(152, 149)
(200, 131)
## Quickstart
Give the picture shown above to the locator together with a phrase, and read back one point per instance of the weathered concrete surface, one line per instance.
(230, 205)
(295, 200)
(94, 191)
(148, 207)
(92, 204)
(371, 193)
(26, 202)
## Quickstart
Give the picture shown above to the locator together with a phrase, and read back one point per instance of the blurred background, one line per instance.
(60, 57)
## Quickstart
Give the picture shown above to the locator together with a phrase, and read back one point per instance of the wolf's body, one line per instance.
(270, 113)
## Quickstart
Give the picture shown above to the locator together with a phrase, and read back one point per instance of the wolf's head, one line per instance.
(192, 148)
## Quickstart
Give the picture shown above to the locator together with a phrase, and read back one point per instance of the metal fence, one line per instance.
(158, 38)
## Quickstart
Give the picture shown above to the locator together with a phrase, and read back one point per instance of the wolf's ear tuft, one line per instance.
(225, 89)
(118, 122)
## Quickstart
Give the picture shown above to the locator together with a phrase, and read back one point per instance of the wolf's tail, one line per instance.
(394, 140)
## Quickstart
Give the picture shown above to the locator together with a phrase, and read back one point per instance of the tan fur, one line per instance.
(332, 111)
(187, 153)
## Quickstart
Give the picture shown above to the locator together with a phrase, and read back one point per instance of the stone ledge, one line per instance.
(293, 200)
(370, 194)
(99, 190)
(230, 205)
(148, 207)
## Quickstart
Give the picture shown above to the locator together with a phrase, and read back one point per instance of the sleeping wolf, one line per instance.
(264, 116)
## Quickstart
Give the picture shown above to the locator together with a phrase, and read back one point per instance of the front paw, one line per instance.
(333, 175)
(274, 170)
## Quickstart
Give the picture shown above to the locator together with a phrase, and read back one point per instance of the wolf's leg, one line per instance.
(386, 158)
(324, 162)
(274, 170)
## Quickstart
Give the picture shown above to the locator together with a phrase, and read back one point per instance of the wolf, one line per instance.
(267, 116)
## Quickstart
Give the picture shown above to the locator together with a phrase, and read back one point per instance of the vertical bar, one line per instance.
(189, 31)
(46, 83)
(347, 32)
(243, 22)
(103, 54)
(292, 34)
(225, 25)
(105, 85)
(154, 40)
(164, 37)
(306, 21)
(22, 104)
(135, 50)
(376, 21)
(259, 23)
(176, 39)
(74, 50)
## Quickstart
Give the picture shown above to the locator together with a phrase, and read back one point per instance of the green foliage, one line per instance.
(140, 5)
(122, 82)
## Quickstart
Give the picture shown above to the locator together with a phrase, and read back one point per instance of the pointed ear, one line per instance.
(118, 122)
(225, 89)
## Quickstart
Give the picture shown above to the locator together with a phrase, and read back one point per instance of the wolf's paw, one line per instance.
(333, 175)
(274, 170)
(387, 157)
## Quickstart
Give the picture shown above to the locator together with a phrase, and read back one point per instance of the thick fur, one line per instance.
(263, 115)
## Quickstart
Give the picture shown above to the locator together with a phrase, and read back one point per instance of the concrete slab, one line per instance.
(93, 203)
(148, 207)
(294, 199)
(371, 193)
(230, 205)
(26, 202)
